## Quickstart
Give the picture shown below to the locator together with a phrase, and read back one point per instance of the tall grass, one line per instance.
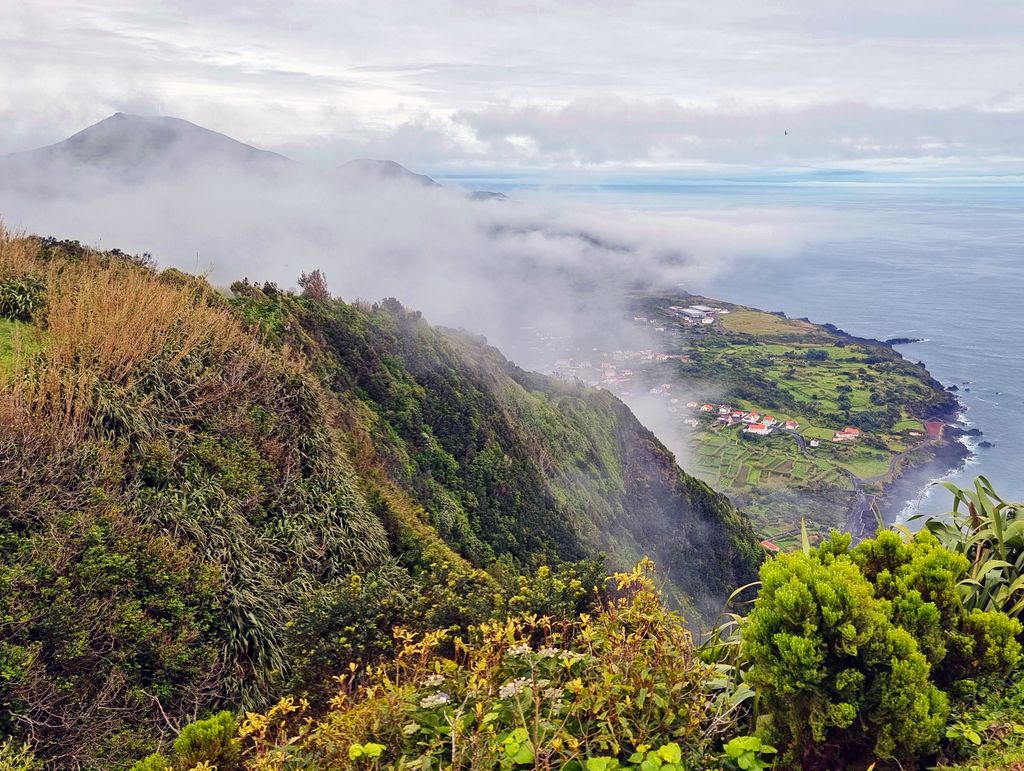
(18, 254)
(108, 323)
(133, 361)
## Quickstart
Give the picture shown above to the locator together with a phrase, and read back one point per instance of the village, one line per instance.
(757, 424)
(616, 372)
(682, 378)
(612, 370)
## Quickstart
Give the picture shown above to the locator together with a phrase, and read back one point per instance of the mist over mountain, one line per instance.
(202, 201)
(370, 170)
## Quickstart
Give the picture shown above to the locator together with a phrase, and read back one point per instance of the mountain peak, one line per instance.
(131, 145)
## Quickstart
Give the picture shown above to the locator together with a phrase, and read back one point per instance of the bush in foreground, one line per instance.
(620, 689)
(853, 650)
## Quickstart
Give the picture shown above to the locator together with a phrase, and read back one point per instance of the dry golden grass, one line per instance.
(18, 254)
(105, 321)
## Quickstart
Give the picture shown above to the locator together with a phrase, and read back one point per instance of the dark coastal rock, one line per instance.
(903, 340)
(985, 444)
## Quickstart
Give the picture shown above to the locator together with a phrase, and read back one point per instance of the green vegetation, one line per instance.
(852, 657)
(853, 649)
(280, 531)
(206, 503)
(751, 322)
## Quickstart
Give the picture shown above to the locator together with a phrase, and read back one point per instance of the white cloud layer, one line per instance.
(514, 83)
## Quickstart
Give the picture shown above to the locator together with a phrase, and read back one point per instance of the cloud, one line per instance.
(664, 133)
(488, 266)
(460, 83)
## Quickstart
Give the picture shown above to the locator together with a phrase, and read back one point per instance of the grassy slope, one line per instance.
(225, 517)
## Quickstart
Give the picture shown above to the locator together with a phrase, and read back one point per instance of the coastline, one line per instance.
(948, 454)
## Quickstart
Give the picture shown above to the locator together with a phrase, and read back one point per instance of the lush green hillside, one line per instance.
(209, 502)
(510, 464)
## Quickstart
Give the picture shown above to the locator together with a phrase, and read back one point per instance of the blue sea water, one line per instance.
(938, 259)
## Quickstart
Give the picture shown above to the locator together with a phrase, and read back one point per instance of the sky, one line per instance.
(580, 86)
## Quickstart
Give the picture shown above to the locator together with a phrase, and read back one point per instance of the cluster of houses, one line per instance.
(665, 390)
(753, 422)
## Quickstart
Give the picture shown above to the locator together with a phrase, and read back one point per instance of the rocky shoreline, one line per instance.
(947, 455)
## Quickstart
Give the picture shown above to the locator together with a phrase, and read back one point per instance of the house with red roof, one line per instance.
(771, 546)
(847, 434)
(758, 428)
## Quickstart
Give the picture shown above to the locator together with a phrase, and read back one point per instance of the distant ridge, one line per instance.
(382, 169)
(131, 149)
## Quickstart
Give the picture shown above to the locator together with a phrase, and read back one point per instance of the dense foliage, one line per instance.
(207, 503)
(853, 650)
(620, 689)
(852, 657)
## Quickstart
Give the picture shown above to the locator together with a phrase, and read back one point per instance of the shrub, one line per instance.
(21, 297)
(848, 648)
(314, 286)
(210, 744)
(989, 532)
(602, 691)
(212, 741)
(17, 757)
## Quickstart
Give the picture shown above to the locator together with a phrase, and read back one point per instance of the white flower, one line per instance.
(519, 650)
(569, 656)
(548, 653)
(410, 728)
(513, 688)
(434, 700)
(434, 680)
(553, 693)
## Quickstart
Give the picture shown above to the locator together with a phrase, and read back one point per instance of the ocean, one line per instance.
(931, 258)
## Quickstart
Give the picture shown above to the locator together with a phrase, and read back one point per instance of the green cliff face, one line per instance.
(206, 502)
(510, 464)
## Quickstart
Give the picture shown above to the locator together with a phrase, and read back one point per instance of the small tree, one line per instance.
(314, 286)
